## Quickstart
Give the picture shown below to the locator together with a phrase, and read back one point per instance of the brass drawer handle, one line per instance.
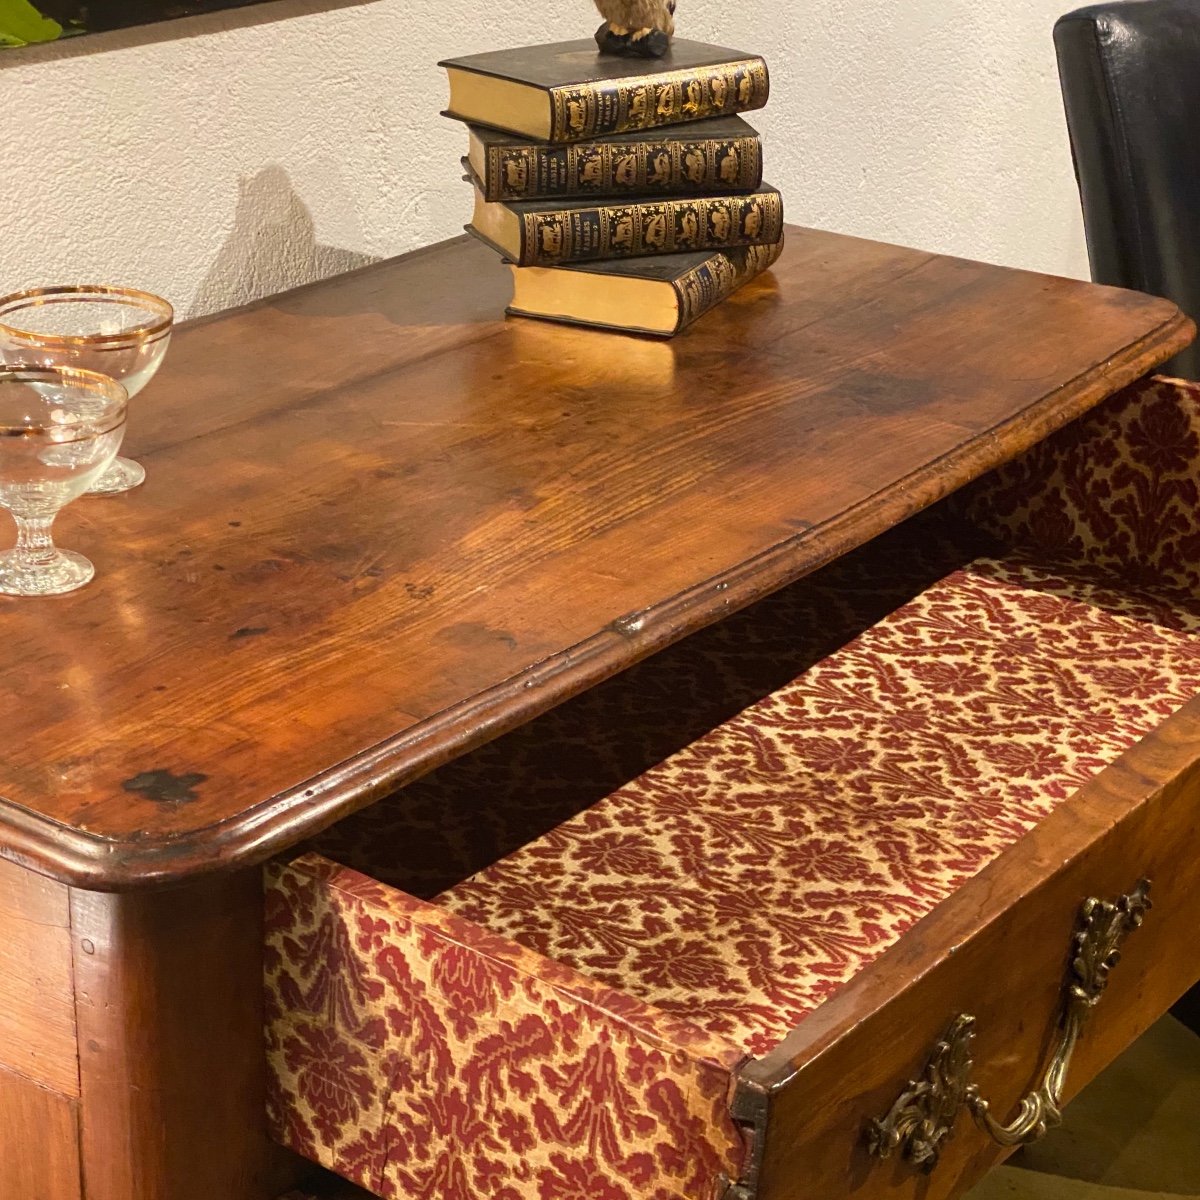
(921, 1120)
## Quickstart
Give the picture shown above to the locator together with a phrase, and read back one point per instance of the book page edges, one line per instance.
(477, 157)
(498, 225)
(504, 103)
(639, 305)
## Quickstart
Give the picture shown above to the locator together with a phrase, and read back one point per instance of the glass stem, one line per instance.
(35, 548)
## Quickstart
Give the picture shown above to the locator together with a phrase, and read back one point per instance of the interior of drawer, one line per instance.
(566, 959)
(749, 876)
(1108, 507)
(480, 807)
(672, 931)
(1112, 499)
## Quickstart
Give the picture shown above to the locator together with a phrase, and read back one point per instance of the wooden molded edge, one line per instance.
(100, 863)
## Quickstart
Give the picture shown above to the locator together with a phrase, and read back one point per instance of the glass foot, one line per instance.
(65, 572)
(123, 475)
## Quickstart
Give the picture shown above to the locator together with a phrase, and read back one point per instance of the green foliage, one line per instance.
(21, 24)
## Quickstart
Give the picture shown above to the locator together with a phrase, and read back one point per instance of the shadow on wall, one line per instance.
(273, 246)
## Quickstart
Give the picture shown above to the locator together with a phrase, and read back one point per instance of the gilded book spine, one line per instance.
(679, 167)
(648, 101)
(705, 286)
(654, 227)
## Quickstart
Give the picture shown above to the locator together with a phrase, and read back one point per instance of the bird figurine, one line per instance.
(636, 28)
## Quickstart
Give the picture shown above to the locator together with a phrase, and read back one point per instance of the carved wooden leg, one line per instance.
(168, 1004)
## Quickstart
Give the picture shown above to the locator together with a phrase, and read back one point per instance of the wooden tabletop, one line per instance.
(382, 524)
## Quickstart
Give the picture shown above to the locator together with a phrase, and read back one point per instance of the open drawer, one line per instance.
(744, 974)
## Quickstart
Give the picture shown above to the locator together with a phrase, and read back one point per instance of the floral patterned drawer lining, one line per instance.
(570, 1021)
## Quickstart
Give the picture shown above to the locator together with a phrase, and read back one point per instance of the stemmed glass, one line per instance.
(119, 332)
(60, 429)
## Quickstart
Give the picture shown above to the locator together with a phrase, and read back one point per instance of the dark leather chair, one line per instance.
(1130, 77)
(1130, 74)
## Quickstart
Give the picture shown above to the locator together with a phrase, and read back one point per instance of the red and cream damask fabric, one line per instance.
(425, 1058)
(475, 810)
(566, 1023)
(1118, 491)
(751, 875)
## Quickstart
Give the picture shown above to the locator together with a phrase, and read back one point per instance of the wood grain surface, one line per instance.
(37, 999)
(998, 949)
(172, 1063)
(382, 526)
(39, 1144)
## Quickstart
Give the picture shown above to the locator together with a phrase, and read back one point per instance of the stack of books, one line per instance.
(626, 193)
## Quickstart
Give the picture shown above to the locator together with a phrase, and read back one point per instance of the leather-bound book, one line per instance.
(568, 91)
(723, 154)
(540, 233)
(660, 295)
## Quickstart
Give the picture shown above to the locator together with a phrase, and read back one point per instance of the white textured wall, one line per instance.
(218, 158)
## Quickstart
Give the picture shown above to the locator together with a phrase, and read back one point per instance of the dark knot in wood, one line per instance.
(165, 786)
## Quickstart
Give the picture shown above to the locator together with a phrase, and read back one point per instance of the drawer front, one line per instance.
(418, 1054)
(998, 951)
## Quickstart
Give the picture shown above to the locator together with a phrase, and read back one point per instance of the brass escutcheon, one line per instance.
(922, 1118)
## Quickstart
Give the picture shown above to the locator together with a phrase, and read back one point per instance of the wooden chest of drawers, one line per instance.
(396, 528)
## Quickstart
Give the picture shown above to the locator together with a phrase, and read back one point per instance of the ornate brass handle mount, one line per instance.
(923, 1116)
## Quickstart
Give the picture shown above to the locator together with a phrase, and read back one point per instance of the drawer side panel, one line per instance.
(418, 1055)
